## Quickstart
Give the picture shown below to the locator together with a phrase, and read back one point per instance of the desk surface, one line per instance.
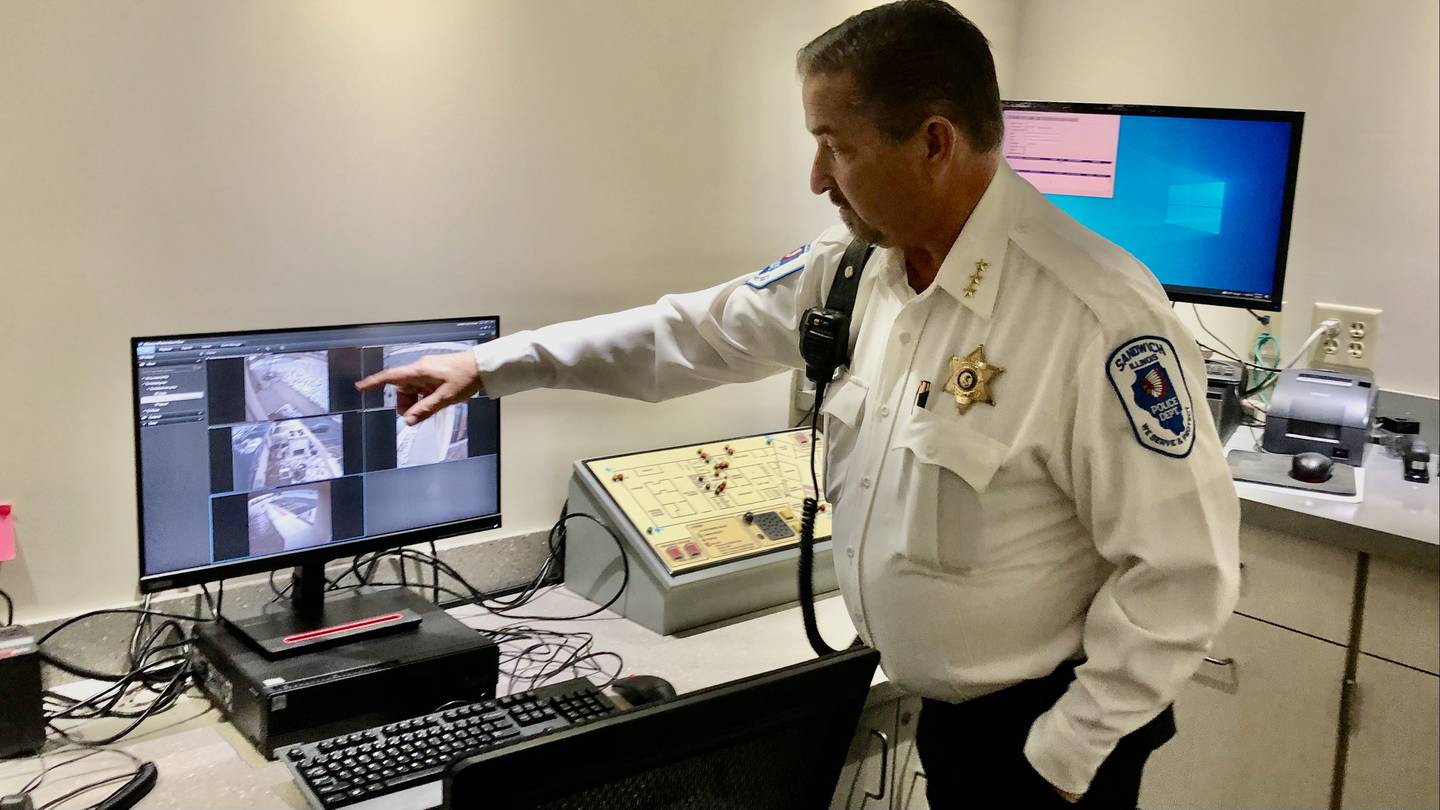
(1395, 519)
(204, 762)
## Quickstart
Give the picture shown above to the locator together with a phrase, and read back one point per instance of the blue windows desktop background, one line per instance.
(1200, 201)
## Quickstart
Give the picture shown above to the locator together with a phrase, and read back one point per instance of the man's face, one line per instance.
(878, 185)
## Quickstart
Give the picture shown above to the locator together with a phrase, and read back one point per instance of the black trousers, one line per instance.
(973, 752)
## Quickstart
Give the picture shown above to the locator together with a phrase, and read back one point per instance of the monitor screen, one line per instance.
(254, 450)
(1201, 196)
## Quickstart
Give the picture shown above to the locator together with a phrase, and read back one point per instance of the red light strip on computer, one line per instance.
(341, 628)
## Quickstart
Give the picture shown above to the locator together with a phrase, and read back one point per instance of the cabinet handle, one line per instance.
(884, 764)
(1220, 662)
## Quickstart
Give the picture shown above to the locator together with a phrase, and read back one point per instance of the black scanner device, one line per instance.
(640, 690)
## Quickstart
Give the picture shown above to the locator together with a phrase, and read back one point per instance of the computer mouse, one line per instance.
(638, 690)
(1312, 468)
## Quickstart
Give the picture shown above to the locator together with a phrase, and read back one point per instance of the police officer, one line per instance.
(1043, 546)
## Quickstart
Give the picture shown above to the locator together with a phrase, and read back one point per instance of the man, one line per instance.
(1044, 546)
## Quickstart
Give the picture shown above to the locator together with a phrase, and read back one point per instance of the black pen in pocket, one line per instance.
(922, 394)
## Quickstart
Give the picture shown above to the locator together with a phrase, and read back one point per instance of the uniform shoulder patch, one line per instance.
(1146, 375)
(780, 268)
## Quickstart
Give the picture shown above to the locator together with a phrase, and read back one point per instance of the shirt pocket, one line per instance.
(949, 466)
(844, 411)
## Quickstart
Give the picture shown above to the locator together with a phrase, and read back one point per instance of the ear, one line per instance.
(942, 140)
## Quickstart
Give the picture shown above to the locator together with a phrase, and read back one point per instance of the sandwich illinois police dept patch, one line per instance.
(1145, 373)
(780, 268)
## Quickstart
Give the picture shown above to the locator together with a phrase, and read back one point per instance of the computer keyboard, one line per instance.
(400, 765)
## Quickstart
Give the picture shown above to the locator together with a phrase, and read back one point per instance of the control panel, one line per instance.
(699, 505)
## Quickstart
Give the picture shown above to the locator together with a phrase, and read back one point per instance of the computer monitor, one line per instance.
(254, 451)
(775, 741)
(1202, 196)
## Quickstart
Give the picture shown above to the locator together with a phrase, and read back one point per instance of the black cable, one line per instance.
(624, 581)
(131, 611)
(87, 788)
(1245, 363)
(1216, 337)
(435, 573)
(9, 609)
(168, 698)
(806, 567)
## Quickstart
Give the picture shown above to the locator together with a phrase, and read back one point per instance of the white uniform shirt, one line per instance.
(1087, 512)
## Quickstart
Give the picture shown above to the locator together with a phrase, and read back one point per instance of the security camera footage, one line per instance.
(258, 444)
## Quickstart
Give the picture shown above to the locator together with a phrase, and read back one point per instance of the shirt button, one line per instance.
(884, 410)
(850, 552)
(904, 337)
(930, 449)
(864, 483)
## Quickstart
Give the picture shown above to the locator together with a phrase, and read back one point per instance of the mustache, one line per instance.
(838, 201)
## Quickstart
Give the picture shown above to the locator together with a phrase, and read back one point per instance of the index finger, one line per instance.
(387, 377)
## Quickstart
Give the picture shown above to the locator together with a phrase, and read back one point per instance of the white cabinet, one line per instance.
(1395, 738)
(1296, 582)
(1257, 730)
(1402, 615)
(869, 765)
(909, 783)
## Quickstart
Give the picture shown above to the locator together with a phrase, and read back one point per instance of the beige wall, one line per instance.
(177, 166)
(1367, 75)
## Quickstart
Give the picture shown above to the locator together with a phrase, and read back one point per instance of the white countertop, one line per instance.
(1395, 518)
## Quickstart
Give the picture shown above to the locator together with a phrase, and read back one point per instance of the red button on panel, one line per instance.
(692, 549)
(674, 552)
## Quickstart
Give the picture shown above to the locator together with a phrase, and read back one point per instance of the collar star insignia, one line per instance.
(976, 277)
(970, 378)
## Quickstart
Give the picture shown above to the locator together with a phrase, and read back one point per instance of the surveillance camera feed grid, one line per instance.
(291, 451)
(290, 519)
(286, 386)
(443, 437)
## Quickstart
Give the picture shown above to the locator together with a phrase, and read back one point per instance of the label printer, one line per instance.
(1321, 411)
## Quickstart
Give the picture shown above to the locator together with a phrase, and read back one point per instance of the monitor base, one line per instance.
(280, 629)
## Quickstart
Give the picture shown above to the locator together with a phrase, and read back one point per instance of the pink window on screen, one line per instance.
(1062, 152)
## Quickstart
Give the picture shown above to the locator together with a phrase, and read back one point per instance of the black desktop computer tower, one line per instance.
(336, 690)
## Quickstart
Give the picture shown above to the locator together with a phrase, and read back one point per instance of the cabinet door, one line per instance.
(1394, 758)
(869, 765)
(1402, 615)
(909, 783)
(1257, 730)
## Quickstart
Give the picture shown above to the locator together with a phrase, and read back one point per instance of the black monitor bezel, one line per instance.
(1296, 120)
(153, 583)
(769, 698)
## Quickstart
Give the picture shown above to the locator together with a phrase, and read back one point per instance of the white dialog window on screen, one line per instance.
(1063, 153)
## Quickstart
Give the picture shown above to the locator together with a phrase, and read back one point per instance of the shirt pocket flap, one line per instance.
(845, 399)
(967, 452)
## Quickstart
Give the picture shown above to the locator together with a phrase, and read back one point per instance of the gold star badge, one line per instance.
(976, 277)
(970, 379)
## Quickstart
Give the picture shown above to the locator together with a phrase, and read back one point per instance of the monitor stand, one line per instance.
(309, 620)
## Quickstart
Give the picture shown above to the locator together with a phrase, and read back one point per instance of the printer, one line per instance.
(1321, 411)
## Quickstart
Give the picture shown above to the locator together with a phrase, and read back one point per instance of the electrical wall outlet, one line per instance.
(1355, 346)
